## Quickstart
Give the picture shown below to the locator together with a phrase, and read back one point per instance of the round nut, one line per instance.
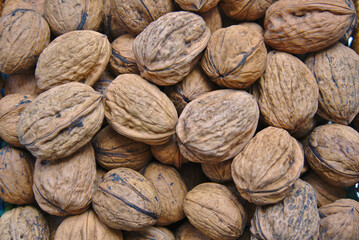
(218, 172)
(245, 10)
(187, 232)
(197, 5)
(158, 233)
(12, 5)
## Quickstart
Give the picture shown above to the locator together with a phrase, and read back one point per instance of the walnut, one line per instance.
(102, 83)
(158, 233)
(213, 19)
(188, 232)
(23, 83)
(197, 5)
(245, 10)
(12, 5)
(219, 172)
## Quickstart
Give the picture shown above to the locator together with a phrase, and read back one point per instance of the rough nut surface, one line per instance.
(215, 211)
(158, 233)
(197, 5)
(336, 70)
(307, 25)
(235, 56)
(187, 232)
(114, 150)
(217, 125)
(296, 217)
(112, 21)
(139, 110)
(24, 223)
(219, 172)
(60, 121)
(268, 166)
(86, 226)
(66, 186)
(332, 152)
(12, 5)
(245, 10)
(16, 176)
(23, 36)
(169, 48)
(126, 200)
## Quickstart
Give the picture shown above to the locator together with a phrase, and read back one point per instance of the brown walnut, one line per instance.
(245, 10)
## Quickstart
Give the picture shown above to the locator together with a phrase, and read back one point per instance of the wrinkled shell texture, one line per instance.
(11, 107)
(288, 92)
(126, 200)
(307, 25)
(68, 15)
(187, 232)
(296, 217)
(23, 83)
(332, 152)
(114, 150)
(216, 126)
(215, 211)
(139, 110)
(336, 70)
(85, 226)
(84, 56)
(245, 10)
(197, 5)
(16, 171)
(66, 186)
(122, 59)
(158, 233)
(212, 18)
(235, 56)
(192, 86)
(60, 121)
(171, 191)
(12, 5)
(168, 49)
(268, 166)
(23, 36)
(24, 223)
(339, 220)
(219, 172)
(112, 21)
(102, 83)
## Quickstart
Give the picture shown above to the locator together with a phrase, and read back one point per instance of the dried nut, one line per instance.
(86, 226)
(217, 125)
(333, 153)
(158, 233)
(12, 5)
(192, 175)
(170, 47)
(171, 191)
(339, 220)
(11, 107)
(268, 166)
(336, 70)
(23, 83)
(112, 24)
(212, 18)
(307, 25)
(139, 110)
(16, 171)
(324, 192)
(122, 59)
(187, 232)
(102, 83)
(296, 217)
(219, 172)
(66, 186)
(228, 219)
(306, 128)
(60, 121)
(192, 86)
(287, 92)
(245, 10)
(24, 223)
(113, 150)
(126, 200)
(100, 174)
(84, 56)
(23, 36)
(235, 56)
(197, 5)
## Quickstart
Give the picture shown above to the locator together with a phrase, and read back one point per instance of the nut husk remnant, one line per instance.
(158, 233)
(245, 10)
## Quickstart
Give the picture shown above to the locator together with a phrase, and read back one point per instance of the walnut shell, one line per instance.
(332, 152)
(113, 150)
(69, 15)
(86, 226)
(157, 233)
(16, 176)
(197, 5)
(60, 121)
(139, 110)
(66, 186)
(307, 25)
(287, 92)
(192, 175)
(126, 200)
(245, 10)
(100, 174)
(112, 21)
(24, 223)
(54, 222)
(217, 125)
(212, 18)
(268, 166)
(102, 83)
(22, 83)
(336, 70)
(218, 172)
(187, 232)
(12, 5)
(339, 220)
(296, 217)
(170, 47)
(23, 36)
(226, 222)
(84, 56)
(11, 107)
(171, 191)
(235, 56)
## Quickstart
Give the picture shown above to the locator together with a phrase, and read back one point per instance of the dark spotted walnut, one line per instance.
(157, 233)
(197, 5)
(247, 10)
